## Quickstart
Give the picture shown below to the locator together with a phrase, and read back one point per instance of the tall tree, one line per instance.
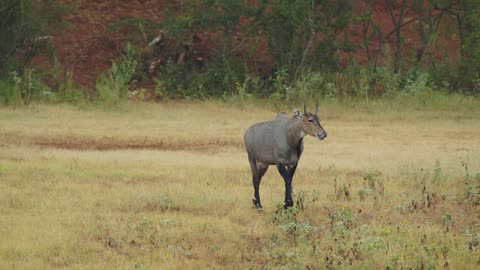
(25, 26)
(467, 15)
(308, 33)
(398, 23)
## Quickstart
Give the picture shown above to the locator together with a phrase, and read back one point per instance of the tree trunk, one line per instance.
(397, 24)
(469, 27)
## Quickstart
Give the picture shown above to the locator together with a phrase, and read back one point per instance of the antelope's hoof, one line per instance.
(257, 205)
(287, 205)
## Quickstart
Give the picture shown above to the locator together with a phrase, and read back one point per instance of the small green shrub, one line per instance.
(160, 90)
(112, 87)
(362, 87)
(71, 95)
(444, 73)
(447, 222)
(29, 86)
(417, 83)
(8, 93)
(154, 202)
(387, 80)
(23, 85)
(472, 190)
(175, 78)
(438, 174)
(223, 74)
(363, 193)
(373, 182)
(244, 92)
(471, 186)
(473, 240)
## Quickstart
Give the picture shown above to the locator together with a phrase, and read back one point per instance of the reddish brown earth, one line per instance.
(85, 49)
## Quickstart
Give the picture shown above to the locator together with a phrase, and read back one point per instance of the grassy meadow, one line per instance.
(168, 186)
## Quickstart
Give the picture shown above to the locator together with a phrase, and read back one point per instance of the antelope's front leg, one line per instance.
(288, 197)
(288, 185)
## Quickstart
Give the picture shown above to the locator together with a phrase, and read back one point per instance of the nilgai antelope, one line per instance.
(280, 142)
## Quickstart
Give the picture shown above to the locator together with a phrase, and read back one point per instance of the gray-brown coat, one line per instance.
(280, 142)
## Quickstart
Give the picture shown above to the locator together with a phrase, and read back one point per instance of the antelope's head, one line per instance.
(311, 123)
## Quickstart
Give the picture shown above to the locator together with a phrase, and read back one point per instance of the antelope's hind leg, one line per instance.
(258, 170)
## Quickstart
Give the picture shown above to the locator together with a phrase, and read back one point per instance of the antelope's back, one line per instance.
(258, 141)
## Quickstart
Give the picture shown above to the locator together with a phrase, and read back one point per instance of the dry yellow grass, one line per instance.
(167, 186)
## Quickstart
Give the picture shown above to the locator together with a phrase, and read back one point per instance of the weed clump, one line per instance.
(154, 202)
(471, 187)
(124, 236)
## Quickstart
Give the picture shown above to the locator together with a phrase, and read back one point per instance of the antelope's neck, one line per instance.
(295, 132)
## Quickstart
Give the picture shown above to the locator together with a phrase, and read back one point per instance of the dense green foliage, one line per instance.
(310, 51)
(285, 50)
(469, 24)
(26, 27)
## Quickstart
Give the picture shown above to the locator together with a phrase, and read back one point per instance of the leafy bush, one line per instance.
(304, 40)
(112, 87)
(23, 85)
(8, 93)
(28, 86)
(223, 73)
(417, 82)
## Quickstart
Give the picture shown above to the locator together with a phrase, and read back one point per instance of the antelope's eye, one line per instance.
(310, 120)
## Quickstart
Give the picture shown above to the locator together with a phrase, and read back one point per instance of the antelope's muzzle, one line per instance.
(322, 135)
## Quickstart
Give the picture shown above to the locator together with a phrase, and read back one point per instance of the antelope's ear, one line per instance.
(297, 113)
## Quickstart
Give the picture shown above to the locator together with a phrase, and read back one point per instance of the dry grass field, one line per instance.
(168, 186)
